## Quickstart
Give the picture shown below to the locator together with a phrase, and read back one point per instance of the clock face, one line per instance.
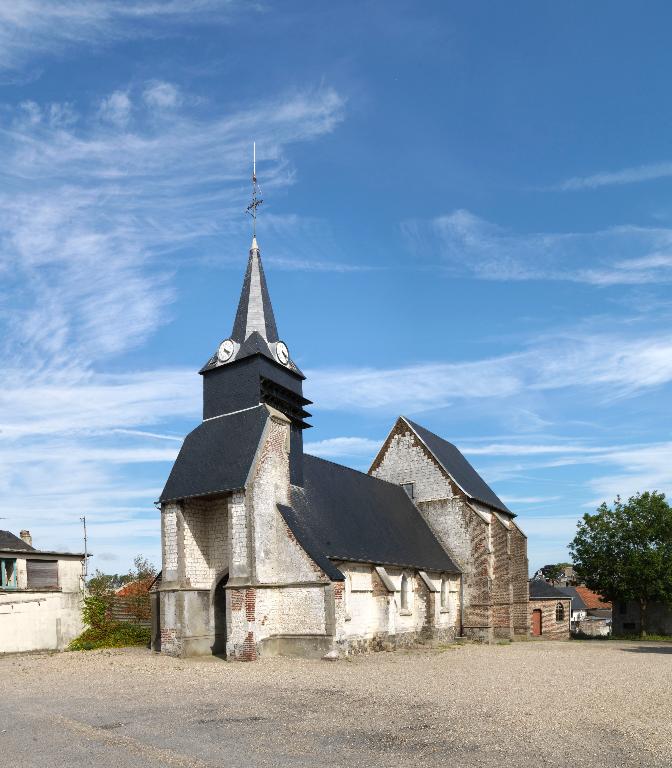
(225, 350)
(282, 352)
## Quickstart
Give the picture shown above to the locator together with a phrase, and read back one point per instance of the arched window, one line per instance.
(405, 593)
(444, 593)
(559, 612)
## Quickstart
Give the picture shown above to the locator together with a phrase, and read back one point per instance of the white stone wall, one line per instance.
(368, 611)
(278, 558)
(42, 620)
(206, 540)
(406, 461)
(169, 546)
(290, 611)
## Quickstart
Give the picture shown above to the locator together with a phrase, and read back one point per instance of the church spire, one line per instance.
(255, 312)
(254, 329)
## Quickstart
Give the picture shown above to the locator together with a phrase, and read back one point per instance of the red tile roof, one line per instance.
(592, 600)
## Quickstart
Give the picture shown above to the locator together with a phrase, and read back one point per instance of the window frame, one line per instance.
(406, 595)
(6, 583)
(559, 612)
(444, 601)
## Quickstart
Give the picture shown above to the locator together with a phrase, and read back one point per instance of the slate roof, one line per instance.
(542, 590)
(10, 541)
(577, 601)
(342, 514)
(216, 457)
(450, 458)
(255, 311)
(254, 328)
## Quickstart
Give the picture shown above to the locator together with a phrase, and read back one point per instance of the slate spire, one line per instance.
(255, 312)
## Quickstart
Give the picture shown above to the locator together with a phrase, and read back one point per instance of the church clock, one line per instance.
(225, 350)
(282, 352)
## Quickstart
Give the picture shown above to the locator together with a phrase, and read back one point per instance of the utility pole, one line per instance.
(85, 570)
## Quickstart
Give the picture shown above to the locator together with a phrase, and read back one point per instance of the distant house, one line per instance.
(579, 608)
(40, 595)
(626, 618)
(567, 578)
(550, 611)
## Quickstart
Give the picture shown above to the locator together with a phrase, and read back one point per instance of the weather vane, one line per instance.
(256, 200)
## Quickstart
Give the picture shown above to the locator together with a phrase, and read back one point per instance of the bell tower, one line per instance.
(253, 365)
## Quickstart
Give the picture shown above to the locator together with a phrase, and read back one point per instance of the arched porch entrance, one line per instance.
(219, 614)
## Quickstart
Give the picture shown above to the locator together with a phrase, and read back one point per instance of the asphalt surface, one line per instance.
(526, 704)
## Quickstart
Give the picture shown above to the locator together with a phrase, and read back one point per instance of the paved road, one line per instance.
(527, 704)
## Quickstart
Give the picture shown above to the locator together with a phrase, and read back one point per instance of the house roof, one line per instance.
(592, 600)
(454, 463)
(11, 541)
(216, 457)
(343, 514)
(542, 590)
(577, 600)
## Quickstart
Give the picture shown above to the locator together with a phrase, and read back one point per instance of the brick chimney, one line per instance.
(25, 536)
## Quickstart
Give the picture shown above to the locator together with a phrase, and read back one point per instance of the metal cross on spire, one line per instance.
(256, 200)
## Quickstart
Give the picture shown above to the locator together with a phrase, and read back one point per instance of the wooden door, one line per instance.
(536, 622)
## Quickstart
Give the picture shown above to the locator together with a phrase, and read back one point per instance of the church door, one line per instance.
(219, 611)
(536, 622)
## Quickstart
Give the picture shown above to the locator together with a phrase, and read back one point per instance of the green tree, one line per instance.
(554, 572)
(624, 552)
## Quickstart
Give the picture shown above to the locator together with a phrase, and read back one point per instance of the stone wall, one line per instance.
(370, 617)
(44, 619)
(551, 629)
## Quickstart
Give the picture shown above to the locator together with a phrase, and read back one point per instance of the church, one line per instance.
(267, 550)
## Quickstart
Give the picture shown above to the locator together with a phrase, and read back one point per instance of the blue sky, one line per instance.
(467, 219)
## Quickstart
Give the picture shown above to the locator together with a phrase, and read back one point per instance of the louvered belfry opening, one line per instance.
(287, 402)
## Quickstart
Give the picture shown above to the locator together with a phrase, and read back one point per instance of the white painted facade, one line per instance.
(41, 619)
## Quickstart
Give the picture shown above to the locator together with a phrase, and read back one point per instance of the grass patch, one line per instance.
(504, 641)
(111, 635)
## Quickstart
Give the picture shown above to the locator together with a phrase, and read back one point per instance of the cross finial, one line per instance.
(256, 200)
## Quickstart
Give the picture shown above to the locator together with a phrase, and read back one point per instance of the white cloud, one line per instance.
(116, 109)
(343, 446)
(631, 175)
(609, 365)
(162, 95)
(36, 27)
(623, 255)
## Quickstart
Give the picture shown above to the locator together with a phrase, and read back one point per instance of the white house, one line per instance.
(40, 595)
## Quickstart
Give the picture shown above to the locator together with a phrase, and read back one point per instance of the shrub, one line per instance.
(111, 635)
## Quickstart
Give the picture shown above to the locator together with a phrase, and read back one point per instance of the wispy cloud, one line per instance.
(631, 175)
(344, 447)
(37, 27)
(622, 255)
(609, 365)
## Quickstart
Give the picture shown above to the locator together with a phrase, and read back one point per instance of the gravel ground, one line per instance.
(526, 704)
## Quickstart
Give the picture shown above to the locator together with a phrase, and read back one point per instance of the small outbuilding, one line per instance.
(40, 595)
(550, 611)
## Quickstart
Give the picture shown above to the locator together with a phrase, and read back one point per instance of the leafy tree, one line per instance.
(554, 572)
(624, 552)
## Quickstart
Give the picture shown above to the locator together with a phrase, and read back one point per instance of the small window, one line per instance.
(408, 487)
(559, 612)
(622, 607)
(445, 584)
(8, 573)
(405, 593)
(42, 574)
